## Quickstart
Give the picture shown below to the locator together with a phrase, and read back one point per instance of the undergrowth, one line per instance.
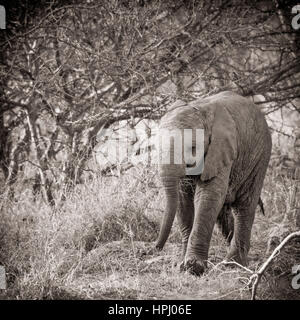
(88, 246)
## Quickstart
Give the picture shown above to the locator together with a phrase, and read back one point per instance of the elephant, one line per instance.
(236, 148)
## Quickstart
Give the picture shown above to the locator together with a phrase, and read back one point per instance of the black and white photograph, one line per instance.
(150, 150)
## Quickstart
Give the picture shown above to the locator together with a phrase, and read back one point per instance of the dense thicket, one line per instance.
(69, 69)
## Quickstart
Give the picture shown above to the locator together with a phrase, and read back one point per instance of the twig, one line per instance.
(255, 278)
(236, 264)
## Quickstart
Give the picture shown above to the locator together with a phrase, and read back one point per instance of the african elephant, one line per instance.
(237, 147)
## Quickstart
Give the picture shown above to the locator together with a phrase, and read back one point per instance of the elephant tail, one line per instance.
(261, 205)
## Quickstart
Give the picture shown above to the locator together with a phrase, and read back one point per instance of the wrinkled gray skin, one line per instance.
(237, 150)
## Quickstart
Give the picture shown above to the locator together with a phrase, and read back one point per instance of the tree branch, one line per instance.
(255, 278)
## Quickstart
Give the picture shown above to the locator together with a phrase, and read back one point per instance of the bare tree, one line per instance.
(69, 70)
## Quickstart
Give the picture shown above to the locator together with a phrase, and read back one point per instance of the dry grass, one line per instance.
(89, 246)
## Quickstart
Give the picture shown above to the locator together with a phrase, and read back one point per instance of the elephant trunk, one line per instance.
(171, 190)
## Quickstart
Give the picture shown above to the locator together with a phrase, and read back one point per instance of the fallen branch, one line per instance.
(255, 278)
(237, 265)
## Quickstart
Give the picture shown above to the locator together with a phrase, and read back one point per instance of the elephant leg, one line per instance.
(185, 214)
(244, 213)
(240, 243)
(208, 201)
(225, 222)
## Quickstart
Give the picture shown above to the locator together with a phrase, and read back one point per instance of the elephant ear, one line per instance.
(222, 149)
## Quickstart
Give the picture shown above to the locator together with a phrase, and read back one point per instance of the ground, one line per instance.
(89, 247)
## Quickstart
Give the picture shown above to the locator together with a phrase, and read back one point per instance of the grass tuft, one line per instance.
(88, 247)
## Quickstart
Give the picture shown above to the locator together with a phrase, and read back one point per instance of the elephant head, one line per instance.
(220, 149)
